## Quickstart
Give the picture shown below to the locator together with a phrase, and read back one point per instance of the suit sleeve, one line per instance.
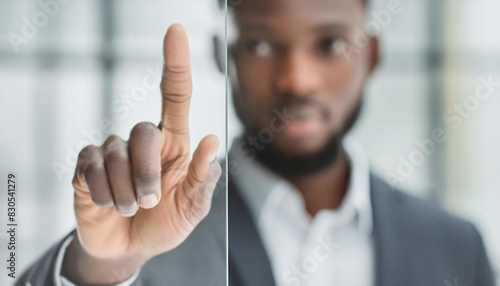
(45, 271)
(483, 272)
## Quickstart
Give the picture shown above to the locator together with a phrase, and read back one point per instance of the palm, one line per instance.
(184, 198)
(167, 225)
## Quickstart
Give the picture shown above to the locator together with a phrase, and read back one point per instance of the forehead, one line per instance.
(290, 13)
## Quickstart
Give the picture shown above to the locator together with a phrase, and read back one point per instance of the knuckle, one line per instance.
(93, 167)
(177, 131)
(143, 130)
(196, 179)
(177, 96)
(113, 140)
(146, 177)
(116, 155)
(176, 83)
(180, 73)
(88, 152)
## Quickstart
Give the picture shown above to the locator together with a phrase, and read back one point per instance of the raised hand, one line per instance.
(138, 198)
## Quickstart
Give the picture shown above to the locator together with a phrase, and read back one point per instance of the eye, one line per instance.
(258, 48)
(332, 45)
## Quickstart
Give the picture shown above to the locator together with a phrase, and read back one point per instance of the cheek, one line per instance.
(254, 97)
(345, 82)
(255, 85)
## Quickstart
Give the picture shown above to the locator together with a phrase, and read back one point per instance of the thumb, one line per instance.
(203, 172)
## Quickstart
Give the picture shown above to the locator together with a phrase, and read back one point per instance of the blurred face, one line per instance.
(290, 58)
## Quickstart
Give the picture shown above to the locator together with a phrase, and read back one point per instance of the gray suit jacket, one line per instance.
(416, 244)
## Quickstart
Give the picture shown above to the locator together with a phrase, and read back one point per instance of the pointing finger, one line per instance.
(176, 84)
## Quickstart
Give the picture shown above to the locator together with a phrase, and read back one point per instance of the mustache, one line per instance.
(305, 103)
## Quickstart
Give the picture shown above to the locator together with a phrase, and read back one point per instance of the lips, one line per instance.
(305, 108)
(304, 113)
(302, 117)
(303, 122)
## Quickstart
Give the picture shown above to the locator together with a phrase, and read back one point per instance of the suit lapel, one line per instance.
(248, 262)
(392, 241)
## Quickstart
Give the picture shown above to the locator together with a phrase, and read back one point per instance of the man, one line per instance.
(303, 208)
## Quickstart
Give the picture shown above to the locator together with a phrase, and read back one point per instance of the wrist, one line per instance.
(82, 268)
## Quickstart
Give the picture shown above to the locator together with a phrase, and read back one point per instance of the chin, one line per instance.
(300, 146)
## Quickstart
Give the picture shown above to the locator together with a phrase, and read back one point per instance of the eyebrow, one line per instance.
(334, 26)
(320, 28)
(256, 27)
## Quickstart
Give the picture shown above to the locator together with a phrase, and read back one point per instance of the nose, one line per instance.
(298, 74)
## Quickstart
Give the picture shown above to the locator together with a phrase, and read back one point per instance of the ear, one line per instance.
(219, 53)
(374, 54)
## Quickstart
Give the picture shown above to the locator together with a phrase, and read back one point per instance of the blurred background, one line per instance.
(437, 55)
(424, 127)
(87, 70)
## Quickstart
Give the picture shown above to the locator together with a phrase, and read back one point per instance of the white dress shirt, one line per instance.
(335, 247)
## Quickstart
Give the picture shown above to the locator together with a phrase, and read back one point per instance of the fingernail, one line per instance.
(148, 201)
(128, 211)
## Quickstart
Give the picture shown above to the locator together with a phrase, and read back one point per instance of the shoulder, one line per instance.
(423, 236)
(421, 218)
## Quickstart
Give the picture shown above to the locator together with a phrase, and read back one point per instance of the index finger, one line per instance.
(176, 84)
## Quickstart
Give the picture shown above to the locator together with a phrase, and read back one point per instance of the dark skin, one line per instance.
(325, 190)
(142, 197)
(138, 198)
(286, 53)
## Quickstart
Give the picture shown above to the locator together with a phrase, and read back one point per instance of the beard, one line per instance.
(296, 166)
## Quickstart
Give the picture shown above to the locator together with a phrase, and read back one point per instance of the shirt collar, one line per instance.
(256, 182)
